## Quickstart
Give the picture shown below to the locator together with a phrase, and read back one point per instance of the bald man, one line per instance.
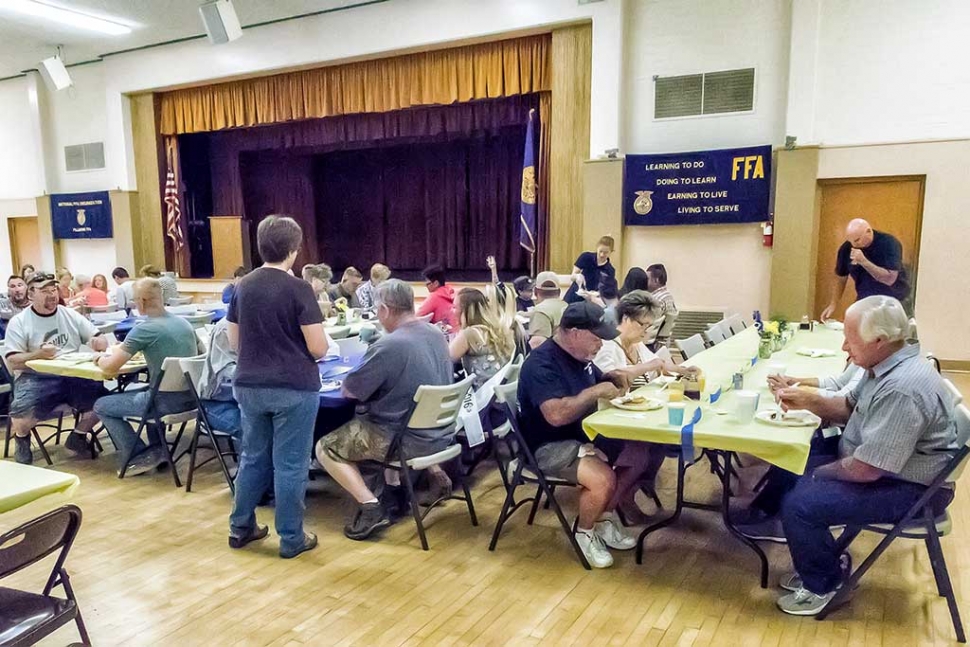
(874, 260)
(161, 336)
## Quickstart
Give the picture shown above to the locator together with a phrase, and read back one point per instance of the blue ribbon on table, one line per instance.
(754, 360)
(716, 395)
(687, 437)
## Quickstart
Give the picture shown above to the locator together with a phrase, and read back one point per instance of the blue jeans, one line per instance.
(816, 504)
(277, 436)
(224, 416)
(113, 409)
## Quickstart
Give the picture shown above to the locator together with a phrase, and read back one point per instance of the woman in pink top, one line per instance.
(87, 294)
(440, 303)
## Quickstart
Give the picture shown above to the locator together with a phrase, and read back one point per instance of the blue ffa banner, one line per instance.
(81, 215)
(707, 187)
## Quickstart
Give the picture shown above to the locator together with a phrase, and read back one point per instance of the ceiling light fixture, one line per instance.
(63, 16)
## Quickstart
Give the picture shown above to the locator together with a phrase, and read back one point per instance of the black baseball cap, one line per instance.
(584, 315)
(523, 284)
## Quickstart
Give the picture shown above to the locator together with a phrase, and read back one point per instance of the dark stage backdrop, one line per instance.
(408, 188)
(411, 206)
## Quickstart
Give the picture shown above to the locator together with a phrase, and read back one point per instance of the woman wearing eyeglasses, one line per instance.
(628, 354)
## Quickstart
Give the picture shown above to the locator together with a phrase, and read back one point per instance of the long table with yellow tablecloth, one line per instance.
(718, 432)
(84, 369)
(23, 484)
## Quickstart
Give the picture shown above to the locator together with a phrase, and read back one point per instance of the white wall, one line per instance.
(671, 37)
(21, 160)
(75, 116)
(94, 256)
(942, 297)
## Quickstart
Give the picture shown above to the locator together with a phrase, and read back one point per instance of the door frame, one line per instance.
(16, 262)
(821, 183)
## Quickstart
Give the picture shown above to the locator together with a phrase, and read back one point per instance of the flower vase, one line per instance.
(765, 348)
(777, 343)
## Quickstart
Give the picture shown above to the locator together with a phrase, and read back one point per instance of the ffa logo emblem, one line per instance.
(81, 217)
(644, 203)
(529, 185)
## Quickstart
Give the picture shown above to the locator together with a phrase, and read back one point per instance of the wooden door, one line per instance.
(24, 241)
(893, 205)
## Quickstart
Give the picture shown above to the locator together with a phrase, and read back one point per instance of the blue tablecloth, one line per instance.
(125, 325)
(351, 354)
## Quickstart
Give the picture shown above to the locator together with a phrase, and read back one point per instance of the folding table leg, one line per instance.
(678, 508)
(726, 514)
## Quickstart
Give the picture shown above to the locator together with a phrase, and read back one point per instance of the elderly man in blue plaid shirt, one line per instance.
(899, 433)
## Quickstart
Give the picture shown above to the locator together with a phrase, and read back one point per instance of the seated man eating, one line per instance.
(161, 336)
(44, 331)
(899, 433)
(411, 354)
(559, 386)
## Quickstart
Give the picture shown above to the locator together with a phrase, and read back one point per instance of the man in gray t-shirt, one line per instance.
(411, 354)
(899, 435)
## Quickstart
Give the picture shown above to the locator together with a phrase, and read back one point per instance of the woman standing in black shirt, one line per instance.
(590, 269)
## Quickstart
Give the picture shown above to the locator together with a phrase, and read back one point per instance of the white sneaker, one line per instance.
(804, 603)
(613, 535)
(594, 550)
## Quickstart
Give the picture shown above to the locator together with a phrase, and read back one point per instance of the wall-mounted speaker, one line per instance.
(55, 74)
(221, 22)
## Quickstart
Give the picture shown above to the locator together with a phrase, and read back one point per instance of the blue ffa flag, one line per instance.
(81, 215)
(527, 216)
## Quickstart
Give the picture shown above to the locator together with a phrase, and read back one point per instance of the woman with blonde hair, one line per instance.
(483, 344)
(100, 281)
(65, 291)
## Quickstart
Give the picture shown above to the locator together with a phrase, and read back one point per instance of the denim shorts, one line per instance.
(36, 396)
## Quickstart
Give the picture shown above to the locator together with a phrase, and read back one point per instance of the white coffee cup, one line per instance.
(777, 368)
(745, 405)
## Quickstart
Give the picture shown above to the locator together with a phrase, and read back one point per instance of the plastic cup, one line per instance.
(745, 405)
(777, 368)
(675, 413)
(675, 396)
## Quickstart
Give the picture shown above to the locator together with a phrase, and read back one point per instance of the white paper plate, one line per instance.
(329, 385)
(815, 352)
(803, 419)
(649, 404)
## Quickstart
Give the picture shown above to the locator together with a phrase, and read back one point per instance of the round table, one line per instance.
(335, 409)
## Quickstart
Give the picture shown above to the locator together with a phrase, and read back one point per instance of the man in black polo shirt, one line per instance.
(558, 387)
(874, 260)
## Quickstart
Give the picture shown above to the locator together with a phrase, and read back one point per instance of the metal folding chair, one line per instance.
(715, 334)
(29, 617)
(435, 407)
(192, 369)
(918, 523)
(526, 471)
(691, 346)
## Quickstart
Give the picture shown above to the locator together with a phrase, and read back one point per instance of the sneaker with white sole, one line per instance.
(612, 534)
(793, 581)
(804, 603)
(593, 548)
(767, 530)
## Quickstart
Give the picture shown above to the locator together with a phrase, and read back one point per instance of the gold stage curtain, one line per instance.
(489, 70)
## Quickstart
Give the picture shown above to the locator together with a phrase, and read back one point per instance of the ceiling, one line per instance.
(25, 40)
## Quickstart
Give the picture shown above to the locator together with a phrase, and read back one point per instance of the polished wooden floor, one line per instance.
(151, 567)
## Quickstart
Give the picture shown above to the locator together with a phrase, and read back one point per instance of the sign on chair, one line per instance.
(707, 187)
(81, 215)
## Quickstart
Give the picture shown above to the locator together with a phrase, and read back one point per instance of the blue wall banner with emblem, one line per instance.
(700, 188)
(81, 215)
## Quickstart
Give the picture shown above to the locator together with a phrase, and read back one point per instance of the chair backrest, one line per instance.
(912, 335)
(192, 367)
(666, 329)
(33, 541)
(691, 346)
(111, 307)
(715, 334)
(735, 324)
(953, 391)
(179, 301)
(203, 334)
(512, 375)
(438, 406)
(173, 379)
(508, 393)
(961, 416)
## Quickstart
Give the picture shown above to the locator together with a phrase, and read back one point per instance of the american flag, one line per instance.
(173, 217)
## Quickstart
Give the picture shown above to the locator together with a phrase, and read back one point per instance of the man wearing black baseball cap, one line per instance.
(44, 331)
(558, 387)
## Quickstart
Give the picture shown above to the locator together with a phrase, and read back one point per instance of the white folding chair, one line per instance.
(691, 346)
(435, 407)
(178, 301)
(715, 334)
(170, 379)
(192, 369)
(953, 391)
(734, 324)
